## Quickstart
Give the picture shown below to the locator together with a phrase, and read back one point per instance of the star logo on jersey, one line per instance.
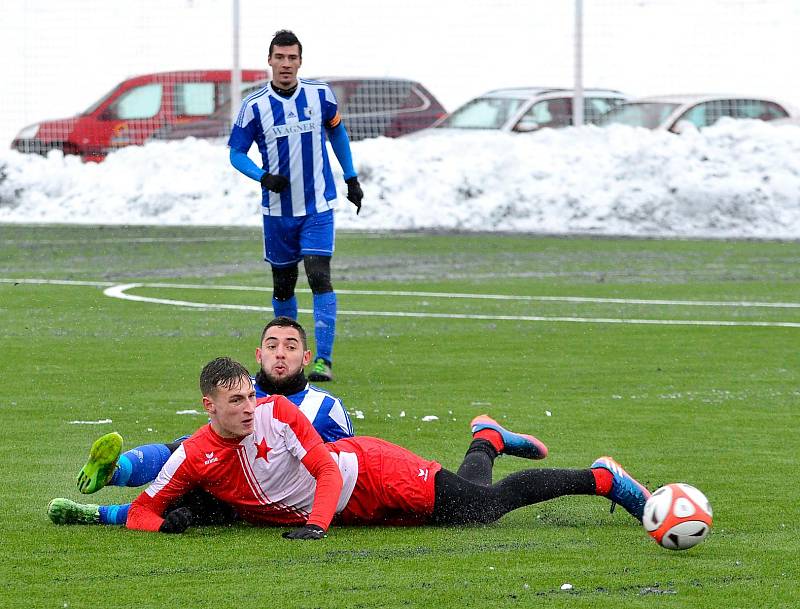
(262, 449)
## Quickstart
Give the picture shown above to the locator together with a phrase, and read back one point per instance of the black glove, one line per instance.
(177, 521)
(310, 531)
(354, 192)
(275, 183)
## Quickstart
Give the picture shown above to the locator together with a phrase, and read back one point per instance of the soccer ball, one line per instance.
(677, 516)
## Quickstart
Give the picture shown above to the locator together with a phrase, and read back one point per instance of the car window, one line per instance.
(708, 113)
(698, 115)
(140, 102)
(223, 94)
(639, 114)
(760, 109)
(376, 97)
(483, 113)
(595, 107)
(195, 98)
(546, 113)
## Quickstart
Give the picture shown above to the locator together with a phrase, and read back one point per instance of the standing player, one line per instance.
(282, 355)
(290, 121)
(268, 463)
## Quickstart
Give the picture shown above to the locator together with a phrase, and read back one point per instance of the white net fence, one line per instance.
(62, 57)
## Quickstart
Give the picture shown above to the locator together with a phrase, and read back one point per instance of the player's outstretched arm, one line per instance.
(320, 464)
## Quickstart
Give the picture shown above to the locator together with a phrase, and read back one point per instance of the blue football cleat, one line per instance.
(514, 444)
(625, 489)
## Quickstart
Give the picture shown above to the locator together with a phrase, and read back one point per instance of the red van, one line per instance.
(132, 111)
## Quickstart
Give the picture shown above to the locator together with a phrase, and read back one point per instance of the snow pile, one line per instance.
(736, 179)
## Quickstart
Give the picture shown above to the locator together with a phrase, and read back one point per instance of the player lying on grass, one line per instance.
(282, 356)
(268, 463)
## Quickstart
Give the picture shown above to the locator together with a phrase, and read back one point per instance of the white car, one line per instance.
(527, 109)
(678, 113)
(791, 120)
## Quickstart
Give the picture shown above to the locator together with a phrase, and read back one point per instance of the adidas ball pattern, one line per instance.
(677, 516)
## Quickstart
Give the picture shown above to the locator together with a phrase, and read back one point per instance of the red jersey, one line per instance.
(282, 473)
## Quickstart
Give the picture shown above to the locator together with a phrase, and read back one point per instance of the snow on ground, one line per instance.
(736, 179)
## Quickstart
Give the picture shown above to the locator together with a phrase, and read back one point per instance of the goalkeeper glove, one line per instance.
(177, 521)
(354, 192)
(309, 531)
(275, 183)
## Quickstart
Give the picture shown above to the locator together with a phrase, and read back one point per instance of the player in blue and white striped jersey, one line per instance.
(290, 120)
(282, 355)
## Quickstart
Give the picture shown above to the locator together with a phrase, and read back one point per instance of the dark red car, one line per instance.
(133, 111)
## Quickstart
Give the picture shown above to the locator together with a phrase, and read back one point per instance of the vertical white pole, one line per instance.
(577, 99)
(236, 70)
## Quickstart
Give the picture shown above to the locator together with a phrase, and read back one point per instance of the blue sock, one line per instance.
(140, 465)
(114, 514)
(325, 324)
(285, 308)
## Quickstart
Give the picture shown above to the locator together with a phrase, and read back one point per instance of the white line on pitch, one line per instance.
(585, 299)
(119, 291)
(97, 284)
(124, 240)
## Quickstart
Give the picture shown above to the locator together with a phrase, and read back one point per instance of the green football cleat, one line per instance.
(321, 371)
(66, 511)
(102, 462)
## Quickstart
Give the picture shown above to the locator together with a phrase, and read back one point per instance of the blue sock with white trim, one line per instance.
(285, 308)
(325, 324)
(140, 465)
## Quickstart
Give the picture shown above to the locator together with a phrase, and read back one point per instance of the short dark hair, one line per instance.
(221, 372)
(285, 38)
(286, 322)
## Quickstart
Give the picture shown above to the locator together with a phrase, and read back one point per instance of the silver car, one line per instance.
(678, 113)
(527, 109)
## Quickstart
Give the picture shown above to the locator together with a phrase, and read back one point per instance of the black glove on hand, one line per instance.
(354, 192)
(310, 531)
(275, 183)
(177, 521)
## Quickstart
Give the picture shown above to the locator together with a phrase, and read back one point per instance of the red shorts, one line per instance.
(394, 486)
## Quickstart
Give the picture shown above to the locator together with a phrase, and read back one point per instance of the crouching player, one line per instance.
(271, 467)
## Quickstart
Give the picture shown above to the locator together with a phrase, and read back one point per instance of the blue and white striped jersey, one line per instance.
(326, 412)
(290, 135)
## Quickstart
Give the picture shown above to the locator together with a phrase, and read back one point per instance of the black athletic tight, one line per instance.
(468, 497)
(318, 271)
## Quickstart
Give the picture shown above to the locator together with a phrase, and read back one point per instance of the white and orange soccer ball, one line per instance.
(677, 516)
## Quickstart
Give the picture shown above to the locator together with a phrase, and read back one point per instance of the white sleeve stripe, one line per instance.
(165, 475)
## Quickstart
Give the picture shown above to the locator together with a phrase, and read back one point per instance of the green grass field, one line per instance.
(712, 405)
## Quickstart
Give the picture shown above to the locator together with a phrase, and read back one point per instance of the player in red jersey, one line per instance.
(268, 463)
